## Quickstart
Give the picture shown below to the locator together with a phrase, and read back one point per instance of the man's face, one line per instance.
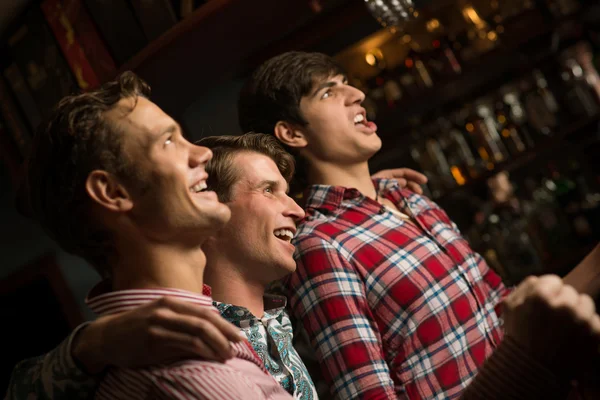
(173, 173)
(338, 131)
(263, 219)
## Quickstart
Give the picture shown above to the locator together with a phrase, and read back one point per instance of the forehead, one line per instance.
(140, 119)
(320, 79)
(254, 168)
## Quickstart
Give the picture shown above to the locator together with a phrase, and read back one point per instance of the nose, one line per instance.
(354, 95)
(199, 155)
(293, 210)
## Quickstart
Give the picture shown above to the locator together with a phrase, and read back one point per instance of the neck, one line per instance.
(355, 176)
(152, 265)
(229, 285)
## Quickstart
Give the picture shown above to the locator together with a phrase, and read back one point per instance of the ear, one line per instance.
(290, 135)
(105, 190)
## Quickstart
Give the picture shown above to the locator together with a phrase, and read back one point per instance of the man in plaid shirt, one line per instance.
(395, 302)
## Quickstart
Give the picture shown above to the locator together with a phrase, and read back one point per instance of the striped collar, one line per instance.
(123, 300)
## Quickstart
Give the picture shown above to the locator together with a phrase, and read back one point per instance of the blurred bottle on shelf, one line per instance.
(462, 161)
(540, 104)
(511, 108)
(482, 126)
(581, 81)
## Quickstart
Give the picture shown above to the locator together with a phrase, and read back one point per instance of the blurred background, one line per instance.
(497, 102)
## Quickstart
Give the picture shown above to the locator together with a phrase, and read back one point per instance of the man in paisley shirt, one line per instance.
(250, 174)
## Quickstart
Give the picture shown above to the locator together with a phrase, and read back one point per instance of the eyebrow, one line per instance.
(170, 129)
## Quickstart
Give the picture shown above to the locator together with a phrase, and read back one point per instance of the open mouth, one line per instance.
(284, 234)
(199, 187)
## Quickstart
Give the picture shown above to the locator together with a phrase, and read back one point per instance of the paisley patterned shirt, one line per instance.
(271, 337)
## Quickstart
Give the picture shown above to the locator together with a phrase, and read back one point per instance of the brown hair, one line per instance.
(76, 140)
(273, 92)
(222, 174)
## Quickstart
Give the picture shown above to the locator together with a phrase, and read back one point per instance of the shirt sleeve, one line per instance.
(54, 375)
(328, 296)
(510, 373)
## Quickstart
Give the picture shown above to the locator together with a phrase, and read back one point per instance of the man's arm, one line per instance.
(161, 331)
(585, 277)
(552, 332)
(329, 297)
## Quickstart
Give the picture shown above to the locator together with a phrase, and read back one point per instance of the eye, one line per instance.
(326, 94)
(269, 190)
(169, 140)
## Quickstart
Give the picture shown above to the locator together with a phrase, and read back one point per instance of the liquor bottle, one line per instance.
(434, 150)
(540, 104)
(579, 95)
(487, 133)
(582, 52)
(458, 153)
(509, 131)
(391, 90)
(425, 156)
(415, 65)
(514, 111)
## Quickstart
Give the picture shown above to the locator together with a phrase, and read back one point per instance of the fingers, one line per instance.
(175, 346)
(415, 187)
(549, 287)
(202, 331)
(410, 175)
(406, 173)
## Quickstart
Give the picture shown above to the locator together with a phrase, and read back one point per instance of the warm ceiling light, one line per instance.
(374, 57)
(432, 25)
(471, 15)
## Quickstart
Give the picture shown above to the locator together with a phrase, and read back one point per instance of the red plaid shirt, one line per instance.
(394, 309)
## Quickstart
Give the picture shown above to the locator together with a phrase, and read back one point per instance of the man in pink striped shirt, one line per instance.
(113, 180)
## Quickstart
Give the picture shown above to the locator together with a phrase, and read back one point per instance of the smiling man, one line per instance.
(113, 179)
(250, 174)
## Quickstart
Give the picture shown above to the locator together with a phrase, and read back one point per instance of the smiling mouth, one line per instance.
(199, 187)
(359, 119)
(284, 234)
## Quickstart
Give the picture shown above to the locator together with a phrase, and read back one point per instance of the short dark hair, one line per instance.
(273, 92)
(77, 139)
(223, 174)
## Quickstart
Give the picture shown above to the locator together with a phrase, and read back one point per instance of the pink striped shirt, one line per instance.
(242, 377)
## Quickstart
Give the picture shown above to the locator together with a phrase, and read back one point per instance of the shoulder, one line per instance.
(191, 379)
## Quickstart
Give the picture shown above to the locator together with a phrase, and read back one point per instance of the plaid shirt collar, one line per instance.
(331, 197)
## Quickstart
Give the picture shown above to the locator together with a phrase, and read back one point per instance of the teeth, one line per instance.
(198, 187)
(359, 118)
(285, 234)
